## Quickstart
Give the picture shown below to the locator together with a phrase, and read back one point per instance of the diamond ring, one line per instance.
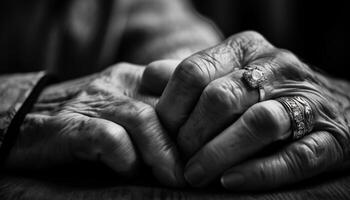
(254, 76)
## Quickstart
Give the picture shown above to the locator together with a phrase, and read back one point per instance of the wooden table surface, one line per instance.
(82, 184)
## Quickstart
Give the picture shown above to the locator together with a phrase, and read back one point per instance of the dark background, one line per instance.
(317, 31)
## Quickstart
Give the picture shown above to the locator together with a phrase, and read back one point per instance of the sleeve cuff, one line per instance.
(17, 94)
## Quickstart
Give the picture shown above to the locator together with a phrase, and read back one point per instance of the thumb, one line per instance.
(157, 74)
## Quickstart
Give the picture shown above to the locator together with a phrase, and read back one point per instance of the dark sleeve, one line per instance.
(17, 92)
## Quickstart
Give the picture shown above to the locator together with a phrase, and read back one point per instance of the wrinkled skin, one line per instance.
(221, 125)
(104, 117)
(218, 119)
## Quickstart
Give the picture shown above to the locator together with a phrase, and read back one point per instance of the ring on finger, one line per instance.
(300, 113)
(254, 76)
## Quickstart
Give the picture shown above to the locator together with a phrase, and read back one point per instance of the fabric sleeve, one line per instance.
(17, 94)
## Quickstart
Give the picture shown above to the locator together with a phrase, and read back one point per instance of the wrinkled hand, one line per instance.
(221, 124)
(103, 117)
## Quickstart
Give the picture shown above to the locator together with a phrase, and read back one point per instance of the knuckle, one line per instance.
(114, 68)
(116, 134)
(86, 140)
(117, 144)
(251, 35)
(286, 54)
(152, 71)
(98, 133)
(262, 115)
(217, 95)
(96, 86)
(262, 121)
(224, 95)
(194, 70)
(250, 43)
(208, 60)
(286, 57)
(268, 174)
(315, 153)
(140, 112)
(302, 158)
(121, 70)
(113, 146)
(246, 36)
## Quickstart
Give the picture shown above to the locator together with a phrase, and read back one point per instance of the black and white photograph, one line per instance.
(174, 99)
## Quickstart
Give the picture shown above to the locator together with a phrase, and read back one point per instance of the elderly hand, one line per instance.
(223, 121)
(103, 117)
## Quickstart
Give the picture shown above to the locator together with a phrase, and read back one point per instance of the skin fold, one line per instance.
(217, 119)
(104, 117)
(128, 114)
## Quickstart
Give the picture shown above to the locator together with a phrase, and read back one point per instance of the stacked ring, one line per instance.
(300, 113)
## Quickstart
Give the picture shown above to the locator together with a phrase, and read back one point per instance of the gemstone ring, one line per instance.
(254, 76)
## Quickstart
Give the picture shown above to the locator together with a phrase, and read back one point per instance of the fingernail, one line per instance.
(232, 180)
(194, 174)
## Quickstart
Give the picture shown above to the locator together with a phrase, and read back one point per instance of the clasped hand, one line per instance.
(128, 113)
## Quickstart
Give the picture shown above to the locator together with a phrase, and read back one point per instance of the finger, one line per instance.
(302, 159)
(157, 74)
(103, 140)
(196, 72)
(226, 98)
(220, 104)
(258, 127)
(48, 141)
(151, 139)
